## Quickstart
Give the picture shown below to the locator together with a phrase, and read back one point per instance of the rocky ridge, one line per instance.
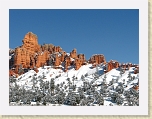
(31, 55)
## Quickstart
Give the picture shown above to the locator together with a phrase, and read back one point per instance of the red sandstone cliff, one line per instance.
(97, 59)
(32, 55)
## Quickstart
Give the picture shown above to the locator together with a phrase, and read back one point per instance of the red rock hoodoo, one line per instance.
(78, 63)
(97, 59)
(57, 61)
(73, 54)
(42, 58)
(30, 43)
(67, 62)
(31, 55)
(62, 57)
(57, 49)
(112, 64)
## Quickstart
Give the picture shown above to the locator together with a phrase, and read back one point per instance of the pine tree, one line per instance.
(50, 63)
(73, 79)
(121, 71)
(52, 85)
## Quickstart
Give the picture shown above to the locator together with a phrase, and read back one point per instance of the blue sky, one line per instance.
(112, 32)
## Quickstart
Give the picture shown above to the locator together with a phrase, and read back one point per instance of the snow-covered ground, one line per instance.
(86, 73)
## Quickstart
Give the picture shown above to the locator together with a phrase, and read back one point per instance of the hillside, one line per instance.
(48, 75)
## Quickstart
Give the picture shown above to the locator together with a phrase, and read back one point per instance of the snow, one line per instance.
(60, 76)
(86, 69)
(49, 72)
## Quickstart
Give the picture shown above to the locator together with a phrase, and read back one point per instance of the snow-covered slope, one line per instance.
(61, 76)
(50, 72)
(87, 73)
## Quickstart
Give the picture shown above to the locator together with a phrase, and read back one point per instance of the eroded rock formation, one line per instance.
(73, 54)
(82, 58)
(67, 62)
(22, 56)
(42, 58)
(30, 43)
(62, 57)
(25, 54)
(112, 64)
(78, 63)
(31, 55)
(57, 61)
(74, 59)
(97, 59)
(57, 49)
(47, 47)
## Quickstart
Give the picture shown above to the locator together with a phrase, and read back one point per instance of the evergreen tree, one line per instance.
(121, 71)
(52, 85)
(50, 62)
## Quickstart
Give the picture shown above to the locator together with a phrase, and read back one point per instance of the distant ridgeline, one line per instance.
(31, 55)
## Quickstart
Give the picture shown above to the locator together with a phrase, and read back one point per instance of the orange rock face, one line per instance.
(57, 61)
(42, 58)
(97, 59)
(25, 54)
(112, 65)
(128, 65)
(47, 47)
(32, 55)
(73, 54)
(30, 43)
(78, 63)
(22, 56)
(82, 58)
(62, 56)
(57, 49)
(67, 63)
(115, 64)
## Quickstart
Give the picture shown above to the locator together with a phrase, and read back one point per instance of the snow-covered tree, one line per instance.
(100, 100)
(119, 100)
(52, 85)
